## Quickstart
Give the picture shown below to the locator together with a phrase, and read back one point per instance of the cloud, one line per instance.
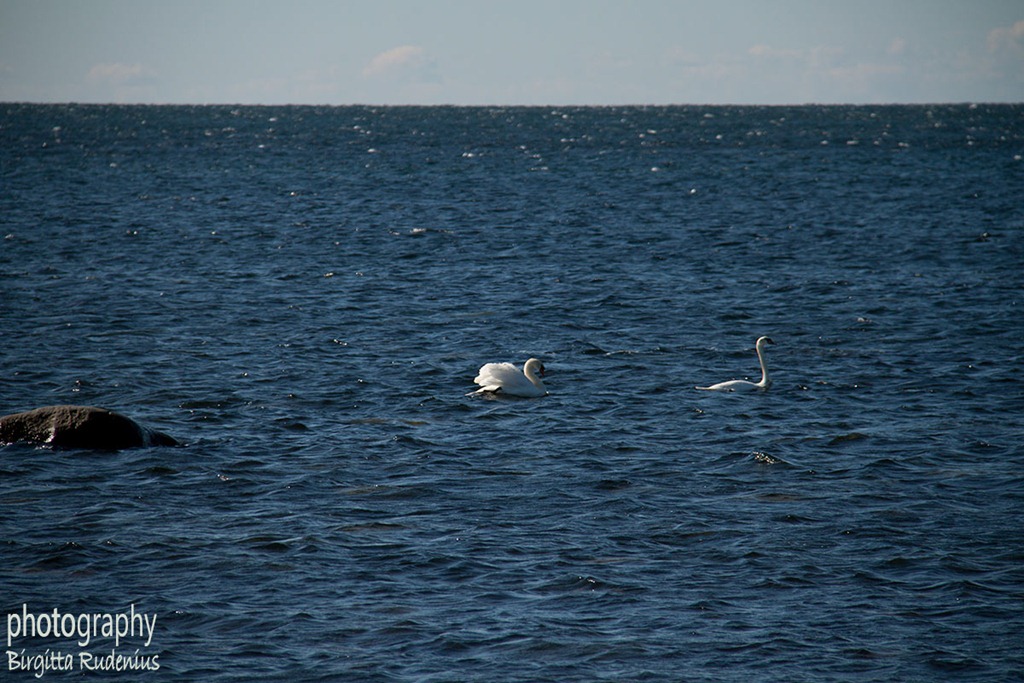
(769, 52)
(863, 75)
(1007, 38)
(814, 57)
(404, 60)
(897, 47)
(119, 74)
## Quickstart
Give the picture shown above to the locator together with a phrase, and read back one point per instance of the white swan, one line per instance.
(505, 378)
(742, 384)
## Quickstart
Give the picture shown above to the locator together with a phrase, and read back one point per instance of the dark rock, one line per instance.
(79, 427)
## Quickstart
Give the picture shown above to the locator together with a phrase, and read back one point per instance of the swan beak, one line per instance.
(542, 371)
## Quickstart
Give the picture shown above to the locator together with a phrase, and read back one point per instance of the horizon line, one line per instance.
(937, 103)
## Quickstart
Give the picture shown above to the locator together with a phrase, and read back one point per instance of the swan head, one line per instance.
(534, 367)
(764, 341)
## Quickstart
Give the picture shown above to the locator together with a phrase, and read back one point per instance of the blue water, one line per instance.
(303, 296)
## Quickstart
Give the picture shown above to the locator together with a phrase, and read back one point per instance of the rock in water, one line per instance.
(79, 427)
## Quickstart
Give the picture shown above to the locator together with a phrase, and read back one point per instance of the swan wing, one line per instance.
(731, 385)
(494, 376)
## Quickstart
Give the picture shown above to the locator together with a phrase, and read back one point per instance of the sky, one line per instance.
(512, 52)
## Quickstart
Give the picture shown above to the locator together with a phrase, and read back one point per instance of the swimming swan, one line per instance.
(505, 378)
(742, 384)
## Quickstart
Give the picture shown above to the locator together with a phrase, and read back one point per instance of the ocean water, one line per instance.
(303, 295)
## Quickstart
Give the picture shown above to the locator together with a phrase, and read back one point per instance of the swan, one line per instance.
(505, 378)
(742, 384)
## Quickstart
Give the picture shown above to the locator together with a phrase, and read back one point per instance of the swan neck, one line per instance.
(764, 367)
